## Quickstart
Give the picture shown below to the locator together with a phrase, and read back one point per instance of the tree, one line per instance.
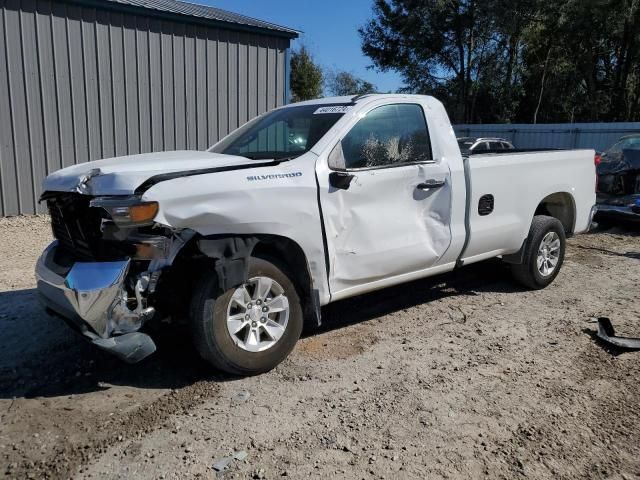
(306, 76)
(438, 46)
(590, 45)
(514, 60)
(344, 83)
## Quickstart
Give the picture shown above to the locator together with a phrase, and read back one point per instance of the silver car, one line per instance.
(470, 145)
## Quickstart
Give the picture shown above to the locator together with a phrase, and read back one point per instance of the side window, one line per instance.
(506, 146)
(495, 146)
(388, 135)
(481, 147)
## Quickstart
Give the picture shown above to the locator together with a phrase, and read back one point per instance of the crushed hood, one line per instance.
(122, 175)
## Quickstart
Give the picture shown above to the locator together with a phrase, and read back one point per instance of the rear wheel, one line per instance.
(544, 253)
(251, 328)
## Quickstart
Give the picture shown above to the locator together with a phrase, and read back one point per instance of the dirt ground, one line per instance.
(459, 376)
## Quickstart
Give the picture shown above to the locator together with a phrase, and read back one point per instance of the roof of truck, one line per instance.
(357, 98)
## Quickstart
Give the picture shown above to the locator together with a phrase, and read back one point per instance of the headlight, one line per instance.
(127, 211)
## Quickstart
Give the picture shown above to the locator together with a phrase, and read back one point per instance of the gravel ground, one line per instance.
(459, 376)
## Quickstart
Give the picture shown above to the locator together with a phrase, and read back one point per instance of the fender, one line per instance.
(282, 204)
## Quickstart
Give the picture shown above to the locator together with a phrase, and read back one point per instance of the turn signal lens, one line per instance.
(127, 211)
(143, 213)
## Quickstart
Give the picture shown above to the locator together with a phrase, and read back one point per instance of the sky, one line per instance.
(330, 31)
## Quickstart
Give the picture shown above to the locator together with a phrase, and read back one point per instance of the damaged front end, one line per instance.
(101, 272)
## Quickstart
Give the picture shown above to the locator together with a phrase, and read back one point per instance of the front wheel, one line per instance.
(251, 328)
(544, 253)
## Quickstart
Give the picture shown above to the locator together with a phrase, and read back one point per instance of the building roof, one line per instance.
(207, 13)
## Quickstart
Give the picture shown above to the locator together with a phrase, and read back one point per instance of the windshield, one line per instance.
(282, 134)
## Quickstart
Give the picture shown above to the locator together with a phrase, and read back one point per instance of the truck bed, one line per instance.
(516, 181)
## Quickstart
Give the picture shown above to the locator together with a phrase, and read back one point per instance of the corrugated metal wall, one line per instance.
(79, 84)
(598, 136)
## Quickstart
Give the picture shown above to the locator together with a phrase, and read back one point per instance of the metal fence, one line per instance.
(598, 136)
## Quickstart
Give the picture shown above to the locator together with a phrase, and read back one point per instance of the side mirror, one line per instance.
(340, 180)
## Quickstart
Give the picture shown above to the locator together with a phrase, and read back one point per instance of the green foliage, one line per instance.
(306, 76)
(514, 60)
(344, 83)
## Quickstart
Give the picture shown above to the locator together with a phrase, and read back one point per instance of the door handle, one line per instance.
(429, 184)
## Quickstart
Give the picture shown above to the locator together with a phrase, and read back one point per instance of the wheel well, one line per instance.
(293, 259)
(561, 206)
(227, 256)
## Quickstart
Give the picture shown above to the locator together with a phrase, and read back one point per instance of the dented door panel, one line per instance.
(383, 225)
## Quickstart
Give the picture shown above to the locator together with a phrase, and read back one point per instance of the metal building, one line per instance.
(87, 79)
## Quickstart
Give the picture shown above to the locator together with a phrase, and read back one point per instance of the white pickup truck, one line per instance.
(305, 205)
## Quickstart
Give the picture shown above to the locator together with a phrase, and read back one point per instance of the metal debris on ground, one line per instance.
(222, 464)
(607, 334)
(240, 397)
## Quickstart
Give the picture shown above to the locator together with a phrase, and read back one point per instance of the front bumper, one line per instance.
(92, 298)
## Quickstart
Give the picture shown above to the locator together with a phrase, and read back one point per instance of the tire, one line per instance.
(529, 272)
(211, 308)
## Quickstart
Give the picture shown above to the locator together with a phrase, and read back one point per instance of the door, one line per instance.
(386, 202)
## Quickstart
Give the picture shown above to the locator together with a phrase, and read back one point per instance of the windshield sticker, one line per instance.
(274, 176)
(334, 109)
